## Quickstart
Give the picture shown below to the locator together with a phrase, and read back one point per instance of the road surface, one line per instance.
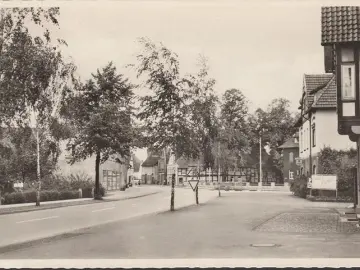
(29, 226)
(236, 225)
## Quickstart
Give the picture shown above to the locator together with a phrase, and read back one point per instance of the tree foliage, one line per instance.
(18, 155)
(100, 114)
(33, 72)
(165, 108)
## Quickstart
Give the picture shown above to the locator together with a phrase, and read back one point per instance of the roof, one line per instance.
(340, 24)
(150, 161)
(313, 83)
(290, 143)
(326, 97)
(187, 162)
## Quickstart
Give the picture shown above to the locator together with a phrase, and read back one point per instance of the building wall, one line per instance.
(87, 167)
(290, 163)
(148, 174)
(326, 135)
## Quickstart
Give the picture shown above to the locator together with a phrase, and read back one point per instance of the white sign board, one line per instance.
(324, 182)
(18, 185)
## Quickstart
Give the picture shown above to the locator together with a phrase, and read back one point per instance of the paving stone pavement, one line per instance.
(305, 222)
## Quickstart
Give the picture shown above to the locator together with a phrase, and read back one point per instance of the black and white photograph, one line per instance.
(205, 133)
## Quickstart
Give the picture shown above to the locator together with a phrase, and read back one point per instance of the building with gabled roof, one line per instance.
(290, 152)
(318, 121)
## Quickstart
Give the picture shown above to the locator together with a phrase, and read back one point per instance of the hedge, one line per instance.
(330, 199)
(46, 195)
(340, 163)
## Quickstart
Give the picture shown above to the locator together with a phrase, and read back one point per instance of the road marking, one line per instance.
(103, 209)
(37, 219)
(134, 204)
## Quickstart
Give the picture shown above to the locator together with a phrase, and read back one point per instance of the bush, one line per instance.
(330, 199)
(298, 186)
(87, 191)
(46, 195)
(342, 164)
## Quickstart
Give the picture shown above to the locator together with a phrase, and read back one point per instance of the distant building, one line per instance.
(152, 169)
(134, 169)
(318, 123)
(113, 175)
(290, 152)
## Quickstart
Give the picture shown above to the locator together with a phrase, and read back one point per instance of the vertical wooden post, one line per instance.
(172, 200)
(197, 194)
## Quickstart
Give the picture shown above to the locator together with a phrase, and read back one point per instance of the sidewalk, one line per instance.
(133, 192)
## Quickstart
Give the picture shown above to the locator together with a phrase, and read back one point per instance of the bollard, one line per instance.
(80, 193)
(0, 198)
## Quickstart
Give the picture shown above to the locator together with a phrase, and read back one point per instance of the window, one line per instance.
(297, 172)
(347, 71)
(291, 157)
(291, 175)
(348, 81)
(313, 136)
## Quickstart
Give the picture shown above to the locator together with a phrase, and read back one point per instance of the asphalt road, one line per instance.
(236, 225)
(30, 226)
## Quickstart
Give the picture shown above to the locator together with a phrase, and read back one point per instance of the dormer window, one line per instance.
(296, 140)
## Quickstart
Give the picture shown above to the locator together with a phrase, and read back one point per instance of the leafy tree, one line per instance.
(165, 109)
(274, 125)
(203, 106)
(34, 74)
(18, 151)
(100, 113)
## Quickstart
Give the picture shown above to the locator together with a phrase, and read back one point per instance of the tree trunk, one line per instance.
(38, 166)
(172, 200)
(165, 169)
(97, 194)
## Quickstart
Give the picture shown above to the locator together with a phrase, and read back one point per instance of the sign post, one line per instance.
(194, 184)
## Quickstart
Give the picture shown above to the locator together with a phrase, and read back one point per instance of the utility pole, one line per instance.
(219, 169)
(260, 165)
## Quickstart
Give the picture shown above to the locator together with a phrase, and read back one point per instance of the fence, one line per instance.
(244, 174)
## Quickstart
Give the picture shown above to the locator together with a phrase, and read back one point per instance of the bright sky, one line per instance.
(260, 47)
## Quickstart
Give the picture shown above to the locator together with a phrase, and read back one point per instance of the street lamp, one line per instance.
(337, 36)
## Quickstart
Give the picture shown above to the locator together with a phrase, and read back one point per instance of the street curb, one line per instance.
(59, 205)
(81, 231)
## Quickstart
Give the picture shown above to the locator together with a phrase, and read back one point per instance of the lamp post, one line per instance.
(343, 61)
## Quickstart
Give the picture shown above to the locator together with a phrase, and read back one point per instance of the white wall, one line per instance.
(325, 132)
(304, 140)
(87, 166)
